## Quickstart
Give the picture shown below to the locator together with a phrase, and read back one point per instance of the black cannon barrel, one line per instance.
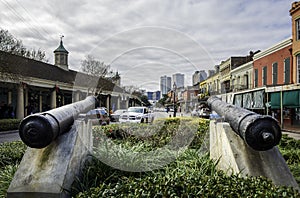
(260, 132)
(39, 130)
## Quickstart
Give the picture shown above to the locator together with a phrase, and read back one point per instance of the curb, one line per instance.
(7, 132)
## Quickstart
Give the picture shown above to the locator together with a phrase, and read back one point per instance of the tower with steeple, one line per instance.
(61, 56)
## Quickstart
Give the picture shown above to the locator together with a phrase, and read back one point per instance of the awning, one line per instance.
(291, 99)
(275, 100)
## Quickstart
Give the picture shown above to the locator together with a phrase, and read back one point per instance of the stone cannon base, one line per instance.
(49, 172)
(235, 157)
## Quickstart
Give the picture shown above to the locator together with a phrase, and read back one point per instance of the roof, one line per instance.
(61, 48)
(25, 67)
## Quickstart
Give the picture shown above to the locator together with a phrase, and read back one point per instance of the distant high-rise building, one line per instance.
(178, 79)
(211, 73)
(165, 84)
(199, 76)
(153, 95)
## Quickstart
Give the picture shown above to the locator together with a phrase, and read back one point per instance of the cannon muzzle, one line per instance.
(260, 132)
(39, 130)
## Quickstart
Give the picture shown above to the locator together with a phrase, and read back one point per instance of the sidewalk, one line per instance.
(292, 134)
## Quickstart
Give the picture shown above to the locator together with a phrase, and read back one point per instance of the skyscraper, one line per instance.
(199, 76)
(165, 84)
(178, 78)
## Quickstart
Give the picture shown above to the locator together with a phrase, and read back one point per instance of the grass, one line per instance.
(167, 159)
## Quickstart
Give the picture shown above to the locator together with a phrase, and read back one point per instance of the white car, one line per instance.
(137, 115)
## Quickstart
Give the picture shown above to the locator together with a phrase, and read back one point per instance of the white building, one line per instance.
(165, 84)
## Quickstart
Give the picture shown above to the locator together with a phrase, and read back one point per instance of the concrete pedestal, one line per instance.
(235, 157)
(49, 172)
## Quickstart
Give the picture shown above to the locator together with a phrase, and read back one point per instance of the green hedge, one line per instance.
(11, 154)
(192, 174)
(9, 124)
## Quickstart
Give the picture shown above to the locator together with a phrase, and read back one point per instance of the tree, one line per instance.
(94, 67)
(10, 44)
(163, 100)
(142, 97)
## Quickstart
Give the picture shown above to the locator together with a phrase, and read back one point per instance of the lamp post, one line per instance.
(174, 98)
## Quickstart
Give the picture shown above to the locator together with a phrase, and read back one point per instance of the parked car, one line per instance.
(98, 116)
(137, 115)
(114, 117)
(204, 113)
(195, 113)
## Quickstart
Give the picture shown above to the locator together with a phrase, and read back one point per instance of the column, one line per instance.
(126, 103)
(9, 97)
(53, 100)
(118, 106)
(20, 103)
(41, 102)
(75, 96)
(108, 103)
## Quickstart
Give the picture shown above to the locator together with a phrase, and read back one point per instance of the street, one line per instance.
(9, 136)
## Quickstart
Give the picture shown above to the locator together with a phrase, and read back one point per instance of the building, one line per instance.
(178, 79)
(199, 76)
(29, 86)
(211, 72)
(225, 69)
(272, 66)
(153, 95)
(165, 84)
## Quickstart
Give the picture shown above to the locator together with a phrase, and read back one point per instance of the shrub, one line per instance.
(11, 152)
(191, 174)
(6, 176)
(9, 124)
(290, 149)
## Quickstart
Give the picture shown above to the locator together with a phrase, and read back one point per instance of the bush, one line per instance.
(6, 176)
(290, 149)
(191, 174)
(11, 152)
(9, 124)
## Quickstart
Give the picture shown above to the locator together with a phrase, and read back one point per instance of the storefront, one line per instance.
(285, 107)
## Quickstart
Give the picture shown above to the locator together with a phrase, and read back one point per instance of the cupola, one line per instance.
(61, 56)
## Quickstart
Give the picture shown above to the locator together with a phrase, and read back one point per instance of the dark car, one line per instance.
(98, 116)
(114, 117)
(204, 113)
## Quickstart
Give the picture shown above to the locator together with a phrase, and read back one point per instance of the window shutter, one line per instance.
(287, 68)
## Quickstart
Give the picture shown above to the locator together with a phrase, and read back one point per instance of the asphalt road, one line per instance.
(9, 136)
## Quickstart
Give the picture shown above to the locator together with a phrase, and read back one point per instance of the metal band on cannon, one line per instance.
(260, 132)
(39, 130)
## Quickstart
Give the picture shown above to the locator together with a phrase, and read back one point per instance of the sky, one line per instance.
(146, 39)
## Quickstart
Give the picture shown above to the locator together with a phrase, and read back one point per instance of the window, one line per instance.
(298, 29)
(255, 77)
(274, 73)
(264, 76)
(298, 68)
(287, 70)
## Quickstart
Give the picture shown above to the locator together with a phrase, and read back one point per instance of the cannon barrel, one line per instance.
(40, 129)
(260, 132)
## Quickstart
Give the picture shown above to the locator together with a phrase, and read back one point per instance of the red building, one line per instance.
(272, 67)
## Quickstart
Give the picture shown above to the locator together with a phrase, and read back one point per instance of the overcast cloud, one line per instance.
(144, 40)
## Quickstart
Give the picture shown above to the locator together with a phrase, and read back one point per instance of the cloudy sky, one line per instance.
(145, 39)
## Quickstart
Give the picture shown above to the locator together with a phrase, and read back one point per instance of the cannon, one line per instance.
(260, 132)
(40, 129)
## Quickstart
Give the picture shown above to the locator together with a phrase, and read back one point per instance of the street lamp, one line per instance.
(174, 98)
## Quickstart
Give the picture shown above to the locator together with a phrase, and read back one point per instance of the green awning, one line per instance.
(275, 100)
(291, 99)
